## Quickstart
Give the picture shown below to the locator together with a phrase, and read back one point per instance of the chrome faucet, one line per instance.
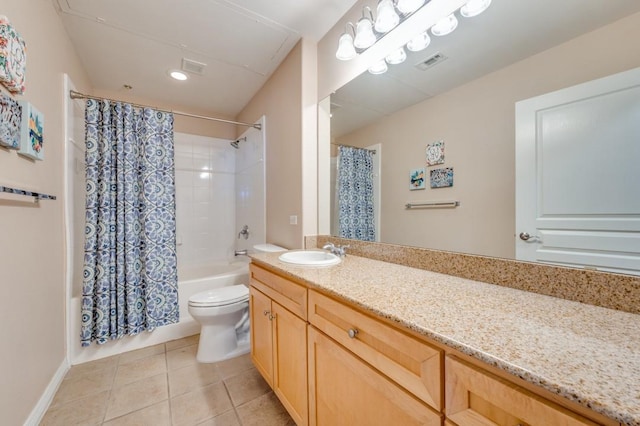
(337, 250)
(244, 232)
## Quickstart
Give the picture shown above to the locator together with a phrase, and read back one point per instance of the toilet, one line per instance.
(223, 314)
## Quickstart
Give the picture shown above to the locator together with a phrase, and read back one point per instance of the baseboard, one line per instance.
(41, 407)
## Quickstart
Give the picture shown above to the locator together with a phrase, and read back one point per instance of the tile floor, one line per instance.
(165, 385)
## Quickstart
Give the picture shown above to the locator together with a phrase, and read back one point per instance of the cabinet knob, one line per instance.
(271, 317)
(265, 313)
(352, 332)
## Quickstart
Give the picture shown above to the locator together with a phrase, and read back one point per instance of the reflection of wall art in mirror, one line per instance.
(417, 179)
(31, 132)
(13, 59)
(10, 118)
(435, 153)
(442, 178)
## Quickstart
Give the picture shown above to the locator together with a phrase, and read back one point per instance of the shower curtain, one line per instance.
(130, 276)
(355, 193)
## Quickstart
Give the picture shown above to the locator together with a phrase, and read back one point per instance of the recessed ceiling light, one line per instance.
(178, 75)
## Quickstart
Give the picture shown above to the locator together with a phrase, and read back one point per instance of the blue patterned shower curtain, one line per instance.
(130, 277)
(355, 193)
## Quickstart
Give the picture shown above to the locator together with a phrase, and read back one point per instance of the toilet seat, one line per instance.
(222, 296)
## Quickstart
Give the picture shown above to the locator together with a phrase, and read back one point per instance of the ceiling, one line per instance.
(242, 42)
(507, 32)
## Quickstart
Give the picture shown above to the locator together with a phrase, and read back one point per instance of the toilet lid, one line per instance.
(220, 296)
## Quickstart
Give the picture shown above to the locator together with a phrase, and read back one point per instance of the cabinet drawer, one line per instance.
(410, 362)
(287, 293)
(477, 397)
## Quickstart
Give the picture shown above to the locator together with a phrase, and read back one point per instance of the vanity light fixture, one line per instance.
(346, 50)
(387, 18)
(409, 6)
(178, 75)
(392, 13)
(445, 26)
(474, 8)
(365, 37)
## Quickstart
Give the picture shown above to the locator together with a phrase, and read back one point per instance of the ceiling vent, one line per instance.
(431, 61)
(194, 67)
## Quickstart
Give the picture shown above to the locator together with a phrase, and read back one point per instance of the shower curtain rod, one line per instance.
(77, 95)
(373, 151)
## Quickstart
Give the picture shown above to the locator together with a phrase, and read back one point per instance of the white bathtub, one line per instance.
(191, 280)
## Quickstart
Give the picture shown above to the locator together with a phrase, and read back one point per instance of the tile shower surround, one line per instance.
(614, 291)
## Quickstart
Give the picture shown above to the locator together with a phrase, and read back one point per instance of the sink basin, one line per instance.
(310, 258)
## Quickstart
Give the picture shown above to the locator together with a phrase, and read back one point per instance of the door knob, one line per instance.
(525, 236)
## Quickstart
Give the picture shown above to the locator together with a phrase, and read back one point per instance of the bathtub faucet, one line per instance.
(240, 253)
(244, 232)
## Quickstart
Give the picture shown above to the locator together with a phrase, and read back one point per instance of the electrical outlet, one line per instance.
(293, 220)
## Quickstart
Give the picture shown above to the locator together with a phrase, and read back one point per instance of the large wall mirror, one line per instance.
(462, 90)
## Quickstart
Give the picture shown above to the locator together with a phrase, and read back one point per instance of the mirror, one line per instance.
(466, 98)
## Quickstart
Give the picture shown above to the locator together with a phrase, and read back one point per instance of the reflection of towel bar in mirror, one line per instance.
(36, 195)
(432, 204)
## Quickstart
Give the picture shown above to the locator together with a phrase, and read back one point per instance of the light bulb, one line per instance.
(178, 75)
(419, 42)
(364, 34)
(345, 51)
(379, 67)
(445, 26)
(409, 6)
(387, 17)
(396, 57)
(474, 8)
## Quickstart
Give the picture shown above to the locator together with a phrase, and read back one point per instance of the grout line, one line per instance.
(231, 400)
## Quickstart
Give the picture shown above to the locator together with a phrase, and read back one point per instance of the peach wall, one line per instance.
(32, 260)
(280, 100)
(477, 123)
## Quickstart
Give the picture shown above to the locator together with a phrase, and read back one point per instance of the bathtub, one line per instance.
(191, 280)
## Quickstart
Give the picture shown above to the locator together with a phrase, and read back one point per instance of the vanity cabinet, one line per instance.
(279, 338)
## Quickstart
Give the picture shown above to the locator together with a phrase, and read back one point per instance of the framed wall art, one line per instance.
(442, 178)
(417, 179)
(13, 57)
(10, 119)
(31, 132)
(435, 153)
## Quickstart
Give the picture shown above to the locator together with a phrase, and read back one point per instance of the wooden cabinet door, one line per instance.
(344, 390)
(261, 333)
(290, 362)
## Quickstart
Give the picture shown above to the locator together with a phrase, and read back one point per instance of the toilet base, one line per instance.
(220, 343)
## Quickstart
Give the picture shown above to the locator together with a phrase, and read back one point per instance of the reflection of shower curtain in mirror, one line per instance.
(130, 277)
(355, 193)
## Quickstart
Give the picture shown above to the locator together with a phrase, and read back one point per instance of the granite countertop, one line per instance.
(587, 354)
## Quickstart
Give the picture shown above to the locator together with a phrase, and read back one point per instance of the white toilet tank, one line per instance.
(268, 248)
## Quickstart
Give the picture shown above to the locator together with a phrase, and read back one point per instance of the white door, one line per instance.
(578, 175)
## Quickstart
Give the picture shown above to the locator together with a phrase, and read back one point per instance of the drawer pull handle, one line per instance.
(352, 332)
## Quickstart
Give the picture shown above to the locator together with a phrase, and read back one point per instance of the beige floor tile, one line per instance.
(180, 343)
(137, 395)
(84, 411)
(200, 405)
(141, 353)
(246, 386)
(234, 366)
(154, 415)
(264, 411)
(182, 357)
(139, 369)
(192, 377)
(91, 367)
(227, 419)
(84, 385)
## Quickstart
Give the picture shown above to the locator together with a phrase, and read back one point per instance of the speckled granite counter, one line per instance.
(587, 354)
